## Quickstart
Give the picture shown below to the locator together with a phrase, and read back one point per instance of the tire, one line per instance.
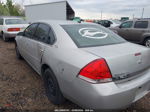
(53, 91)
(4, 38)
(18, 53)
(1, 34)
(147, 42)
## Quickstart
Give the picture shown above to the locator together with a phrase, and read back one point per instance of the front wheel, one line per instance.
(147, 42)
(53, 91)
(18, 53)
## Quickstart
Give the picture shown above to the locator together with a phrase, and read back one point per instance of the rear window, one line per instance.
(141, 24)
(14, 21)
(88, 35)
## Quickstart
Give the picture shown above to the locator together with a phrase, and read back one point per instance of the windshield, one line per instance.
(14, 21)
(88, 35)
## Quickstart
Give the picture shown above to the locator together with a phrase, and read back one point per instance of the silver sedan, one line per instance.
(86, 63)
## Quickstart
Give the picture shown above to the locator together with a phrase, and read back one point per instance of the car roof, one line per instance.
(61, 22)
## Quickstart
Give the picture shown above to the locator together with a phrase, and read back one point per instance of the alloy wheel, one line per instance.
(147, 43)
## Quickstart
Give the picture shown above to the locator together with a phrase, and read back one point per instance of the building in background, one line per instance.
(60, 10)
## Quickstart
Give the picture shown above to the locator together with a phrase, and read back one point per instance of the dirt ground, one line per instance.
(22, 89)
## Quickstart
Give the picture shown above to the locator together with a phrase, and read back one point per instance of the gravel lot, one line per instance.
(22, 89)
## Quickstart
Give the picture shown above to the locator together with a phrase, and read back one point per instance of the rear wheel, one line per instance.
(4, 38)
(53, 91)
(147, 42)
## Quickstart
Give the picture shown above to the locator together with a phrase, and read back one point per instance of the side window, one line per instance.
(1, 21)
(127, 24)
(29, 32)
(141, 24)
(42, 33)
(107, 23)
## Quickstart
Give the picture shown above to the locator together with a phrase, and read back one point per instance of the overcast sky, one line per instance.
(110, 8)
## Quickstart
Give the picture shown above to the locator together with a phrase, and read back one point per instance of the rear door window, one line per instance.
(141, 24)
(90, 35)
(29, 32)
(42, 33)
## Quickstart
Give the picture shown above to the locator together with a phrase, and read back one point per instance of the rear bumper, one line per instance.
(109, 96)
(10, 35)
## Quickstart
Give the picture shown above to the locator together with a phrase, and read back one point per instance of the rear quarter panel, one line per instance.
(66, 64)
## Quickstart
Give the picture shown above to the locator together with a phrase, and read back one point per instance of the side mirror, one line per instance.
(120, 26)
(21, 34)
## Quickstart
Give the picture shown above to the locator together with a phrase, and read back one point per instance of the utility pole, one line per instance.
(142, 13)
(101, 15)
(133, 16)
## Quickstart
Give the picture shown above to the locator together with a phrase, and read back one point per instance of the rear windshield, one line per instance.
(14, 21)
(88, 35)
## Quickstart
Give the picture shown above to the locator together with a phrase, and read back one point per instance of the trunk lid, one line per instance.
(124, 60)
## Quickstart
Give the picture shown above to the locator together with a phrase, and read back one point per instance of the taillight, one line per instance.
(13, 29)
(96, 71)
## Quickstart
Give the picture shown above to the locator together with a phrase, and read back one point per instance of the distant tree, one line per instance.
(3, 9)
(20, 9)
(11, 9)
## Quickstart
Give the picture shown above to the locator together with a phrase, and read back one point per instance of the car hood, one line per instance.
(124, 59)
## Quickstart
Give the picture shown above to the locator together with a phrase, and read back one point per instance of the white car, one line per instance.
(10, 26)
(114, 23)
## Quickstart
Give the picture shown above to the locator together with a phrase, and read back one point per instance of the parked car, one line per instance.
(109, 23)
(137, 31)
(10, 26)
(85, 63)
(77, 19)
